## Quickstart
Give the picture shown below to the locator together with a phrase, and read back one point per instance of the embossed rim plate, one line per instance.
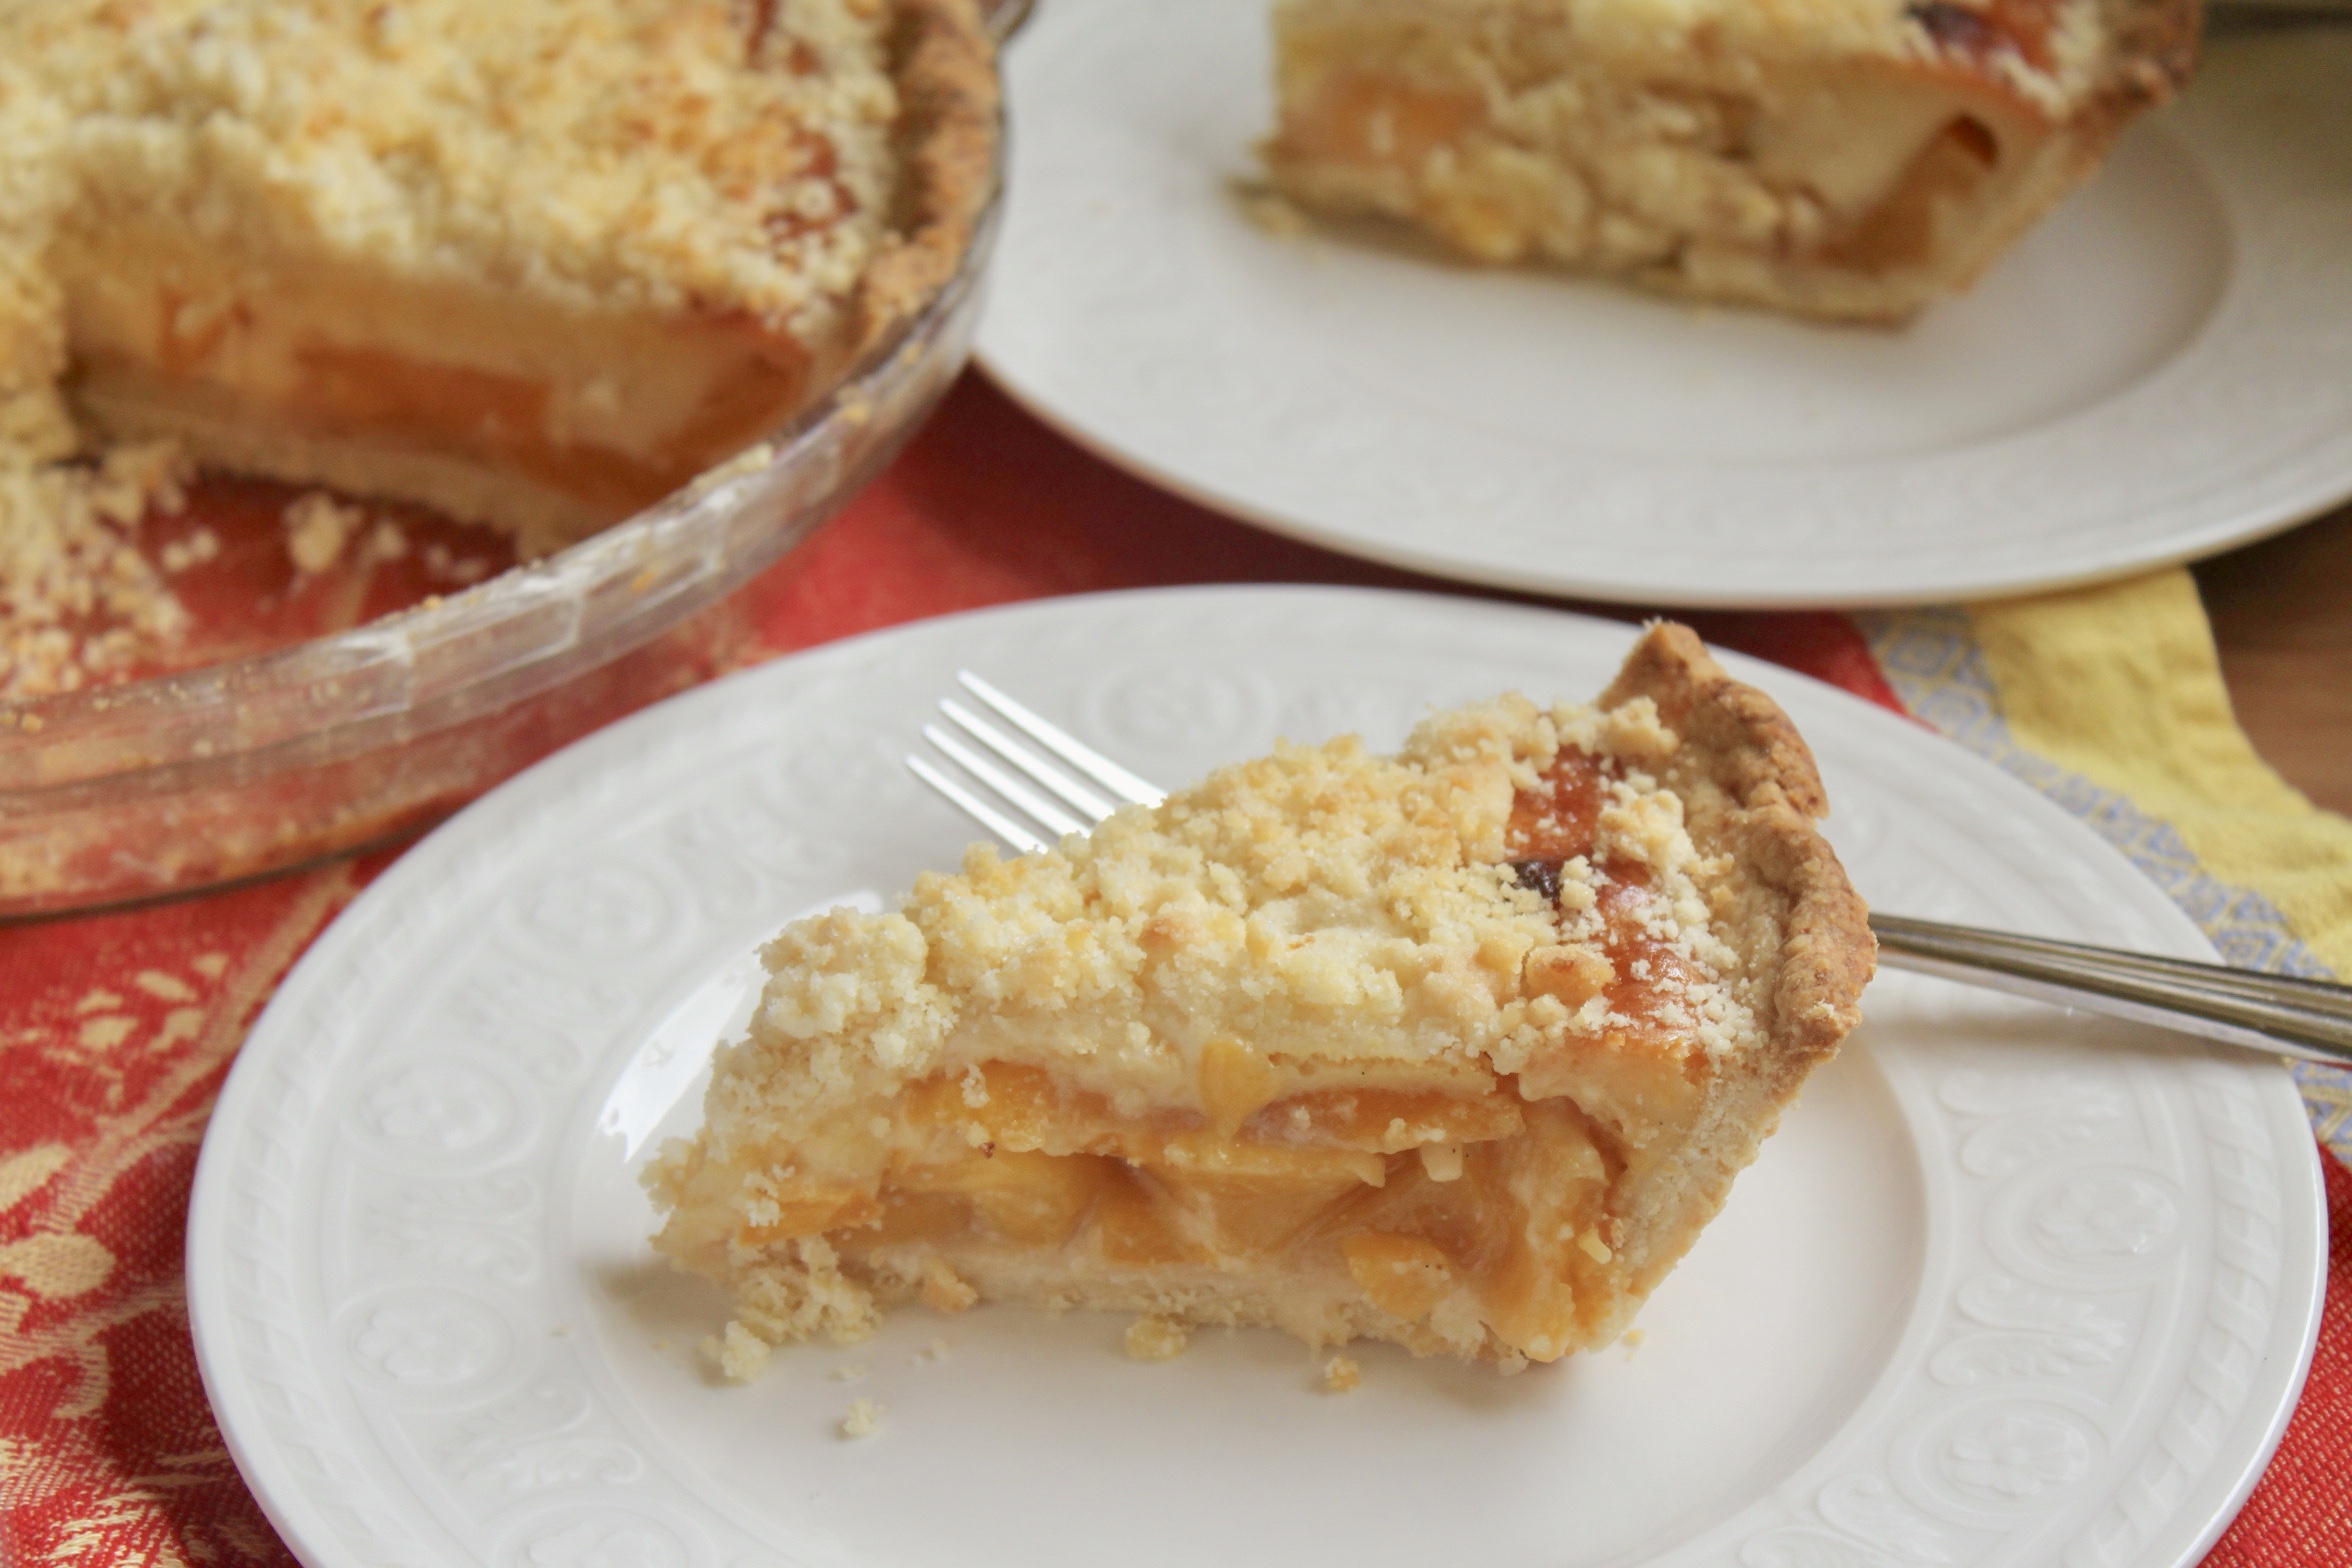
(2152, 376)
(2008, 1285)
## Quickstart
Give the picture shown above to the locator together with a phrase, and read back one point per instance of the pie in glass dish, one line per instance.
(1847, 159)
(533, 263)
(1458, 1048)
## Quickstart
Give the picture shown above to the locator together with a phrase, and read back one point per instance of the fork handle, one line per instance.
(2283, 1014)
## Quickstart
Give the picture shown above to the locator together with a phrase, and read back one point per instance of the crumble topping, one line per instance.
(1354, 908)
(2047, 51)
(662, 154)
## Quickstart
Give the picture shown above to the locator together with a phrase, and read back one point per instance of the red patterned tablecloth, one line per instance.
(116, 1030)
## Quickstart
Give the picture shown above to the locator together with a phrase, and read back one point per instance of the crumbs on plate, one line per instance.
(1156, 1339)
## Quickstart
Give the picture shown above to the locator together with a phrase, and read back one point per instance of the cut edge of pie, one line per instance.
(512, 435)
(1458, 1050)
(1842, 159)
(536, 266)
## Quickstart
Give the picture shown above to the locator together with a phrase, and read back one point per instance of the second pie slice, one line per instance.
(1458, 1048)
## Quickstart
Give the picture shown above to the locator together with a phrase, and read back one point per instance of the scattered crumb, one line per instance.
(1341, 1373)
(738, 1353)
(863, 1419)
(1269, 211)
(77, 599)
(317, 528)
(1156, 1339)
(446, 563)
(850, 1372)
(944, 1290)
(1631, 1340)
(199, 547)
(386, 541)
(935, 1351)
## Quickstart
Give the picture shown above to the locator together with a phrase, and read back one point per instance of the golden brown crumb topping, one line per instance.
(648, 153)
(2047, 51)
(1322, 904)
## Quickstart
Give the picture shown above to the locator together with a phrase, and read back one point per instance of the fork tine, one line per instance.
(973, 806)
(1054, 819)
(1027, 761)
(1086, 759)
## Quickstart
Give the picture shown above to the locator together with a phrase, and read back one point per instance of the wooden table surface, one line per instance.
(2282, 615)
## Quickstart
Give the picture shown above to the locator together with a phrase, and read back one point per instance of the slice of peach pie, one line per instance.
(1458, 1048)
(1840, 158)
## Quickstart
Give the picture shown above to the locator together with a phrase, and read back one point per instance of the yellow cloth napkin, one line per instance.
(2120, 684)
(2110, 699)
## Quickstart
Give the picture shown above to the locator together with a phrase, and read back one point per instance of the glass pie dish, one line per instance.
(261, 763)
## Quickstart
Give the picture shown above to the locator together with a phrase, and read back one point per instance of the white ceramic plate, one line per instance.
(2008, 1287)
(2161, 370)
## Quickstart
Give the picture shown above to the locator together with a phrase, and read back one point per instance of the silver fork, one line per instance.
(1055, 785)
